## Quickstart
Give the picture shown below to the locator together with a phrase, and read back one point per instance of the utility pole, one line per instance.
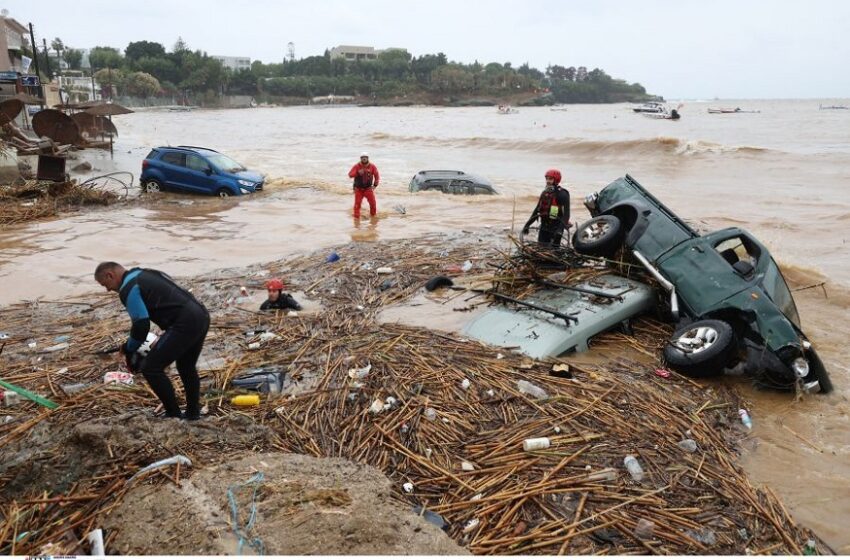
(35, 61)
(47, 60)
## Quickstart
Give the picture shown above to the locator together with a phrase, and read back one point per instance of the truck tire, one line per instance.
(599, 237)
(701, 349)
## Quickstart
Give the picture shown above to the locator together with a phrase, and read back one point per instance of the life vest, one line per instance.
(364, 181)
(548, 207)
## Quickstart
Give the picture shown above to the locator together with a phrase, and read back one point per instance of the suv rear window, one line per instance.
(174, 158)
(152, 154)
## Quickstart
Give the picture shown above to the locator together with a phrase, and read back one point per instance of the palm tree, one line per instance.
(58, 46)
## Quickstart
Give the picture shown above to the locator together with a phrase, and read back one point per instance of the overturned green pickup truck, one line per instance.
(726, 291)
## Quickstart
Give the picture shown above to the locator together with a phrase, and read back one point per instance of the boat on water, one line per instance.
(651, 107)
(673, 115)
(830, 107)
(506, 110)
(724, 110)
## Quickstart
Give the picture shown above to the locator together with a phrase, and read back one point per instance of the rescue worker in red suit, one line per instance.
(366, 178)
(553, 209)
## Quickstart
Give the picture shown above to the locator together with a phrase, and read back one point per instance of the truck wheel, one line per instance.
(701, 349)
(599, 237)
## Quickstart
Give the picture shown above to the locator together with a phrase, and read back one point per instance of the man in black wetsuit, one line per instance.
(278, 299)
(152, 296)
(553, 209)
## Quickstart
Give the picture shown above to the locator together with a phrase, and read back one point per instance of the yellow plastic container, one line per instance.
(245, 400)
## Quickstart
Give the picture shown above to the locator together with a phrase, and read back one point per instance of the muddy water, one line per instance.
(783, 173)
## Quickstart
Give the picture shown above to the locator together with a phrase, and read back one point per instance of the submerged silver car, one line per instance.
(450, 182)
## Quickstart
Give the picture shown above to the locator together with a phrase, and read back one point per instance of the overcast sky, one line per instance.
(688, 49)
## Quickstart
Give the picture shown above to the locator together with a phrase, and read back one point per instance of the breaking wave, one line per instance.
(663, 145)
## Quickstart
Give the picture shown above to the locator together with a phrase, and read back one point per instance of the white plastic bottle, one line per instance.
(634, 468)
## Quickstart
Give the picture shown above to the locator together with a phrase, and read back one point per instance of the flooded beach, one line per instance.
(783, 174)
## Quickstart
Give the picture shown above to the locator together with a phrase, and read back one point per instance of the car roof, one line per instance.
(427, 174)
(195, 149)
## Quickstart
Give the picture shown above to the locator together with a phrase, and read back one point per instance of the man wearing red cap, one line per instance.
(553, 209)
(366, 178)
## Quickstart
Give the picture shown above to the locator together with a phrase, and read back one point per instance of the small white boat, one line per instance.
(725, 110)
(672, 115)
(830, 107)
(506, 110)
(651, 107)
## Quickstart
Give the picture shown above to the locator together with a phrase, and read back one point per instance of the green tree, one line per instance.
(142, 84)
(144, 49)
(163, 69)
(110, 80)
(74, 58)
(105, 57)
(58, 46)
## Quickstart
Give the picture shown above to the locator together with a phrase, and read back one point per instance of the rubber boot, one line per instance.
(192, 388)
(163, 389)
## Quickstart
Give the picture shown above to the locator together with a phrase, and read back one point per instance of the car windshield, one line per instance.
(776, 288)
(225, 163)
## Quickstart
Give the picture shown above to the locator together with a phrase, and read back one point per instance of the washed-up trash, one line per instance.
(531, 389)
(476, 497)
(245, 400)
(182, 459)
(21, 392)
(533, 444)
(118, 377)
(333, 257)
(645, 529)
(55, 348)
(430, 414)
(253, 346)
(254, 332)
(95, 539)
(745, 418)
(634, 468)
(243, 290)
(705, 536)
(32, 345)
(466, 266)
(400, 209)
(267, 379)
(431, 517)
(688, 445)
(384, 270)
(604, 474)
(4, 335)
(268, 336)
(377, 406)
(11, 398)
(467, 466)
(408, 487)
(661, 372)
(465, 384)
(62, 338)
(390, 403)
(359, 373)
(561, 370)
(471, 525)
(72, 388)
(811, 548)
(386, 285)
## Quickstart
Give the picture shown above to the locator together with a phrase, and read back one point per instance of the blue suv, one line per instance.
(198, 170)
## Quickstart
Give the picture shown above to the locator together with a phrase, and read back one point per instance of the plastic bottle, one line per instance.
(634, 468)
(245, 400)
(688, 445)
(531, 389)
(604, 474)
(745, 418)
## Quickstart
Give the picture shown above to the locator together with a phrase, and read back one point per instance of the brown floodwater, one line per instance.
(784, 174)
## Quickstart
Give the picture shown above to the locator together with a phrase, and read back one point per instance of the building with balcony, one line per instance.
(235, 63)
(12, 45)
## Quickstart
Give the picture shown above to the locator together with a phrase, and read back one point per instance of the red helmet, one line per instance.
(274, 284)
(555, 174)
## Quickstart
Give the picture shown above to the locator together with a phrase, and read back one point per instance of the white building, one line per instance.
(351, 52)
(11, 44)
(235, 63)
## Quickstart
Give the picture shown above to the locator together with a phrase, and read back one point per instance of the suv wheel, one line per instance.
(599, 237)
(701, 349)
(223, 193)
(151, 185)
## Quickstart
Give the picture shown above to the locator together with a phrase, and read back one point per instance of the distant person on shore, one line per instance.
(553, 210)
(152, 296)
(278, 299)
(366, 178)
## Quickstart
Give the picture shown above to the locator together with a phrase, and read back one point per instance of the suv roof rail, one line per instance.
(195, 148)
(451, 171)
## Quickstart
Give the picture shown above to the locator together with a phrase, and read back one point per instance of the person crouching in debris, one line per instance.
(553, 209)
(152, 296)
(278, 299)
